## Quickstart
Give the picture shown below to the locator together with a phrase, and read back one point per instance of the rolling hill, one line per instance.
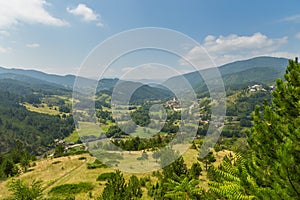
(239, 74)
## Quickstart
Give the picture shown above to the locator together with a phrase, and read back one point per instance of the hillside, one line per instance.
(37, 114)
(35, 131)
(239, 74)
(73, 170)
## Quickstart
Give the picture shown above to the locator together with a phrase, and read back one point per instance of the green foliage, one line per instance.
(9, 162)
(95, 164)
(117, 189)
(22, 191)
(231, 180)
(195, 170)
(70, 189)
(137, 143)
(208, 159)
(59, 150)
(271, 170)
(35, 131)
(133, 189)
(140, 116)
(275, 139)
(183, 188)
(176, 168)
(105, 176)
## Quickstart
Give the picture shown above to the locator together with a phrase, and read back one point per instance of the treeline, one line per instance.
(137, 143)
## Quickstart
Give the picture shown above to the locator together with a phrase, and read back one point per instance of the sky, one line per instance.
(56, 36)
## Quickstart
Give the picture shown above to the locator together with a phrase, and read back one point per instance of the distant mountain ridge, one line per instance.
(66, 81)
(239, 74)
(235, 75)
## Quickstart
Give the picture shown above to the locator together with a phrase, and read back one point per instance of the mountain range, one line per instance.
(236, 75)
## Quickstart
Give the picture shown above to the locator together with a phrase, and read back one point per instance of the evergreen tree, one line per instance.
(231, 180)
(22, 191)
(115, 187)
(133, 190)
(195, 170)
(275, 139)
(183, 188)
(272, 169)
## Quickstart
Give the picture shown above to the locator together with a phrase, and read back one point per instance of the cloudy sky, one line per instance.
(56, 36)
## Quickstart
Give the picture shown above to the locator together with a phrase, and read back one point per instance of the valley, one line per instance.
(47, 137)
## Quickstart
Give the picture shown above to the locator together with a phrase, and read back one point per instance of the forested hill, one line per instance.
(35, 131)
(240, 74)
(38, 77)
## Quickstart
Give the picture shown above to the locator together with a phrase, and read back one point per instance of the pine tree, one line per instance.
(133, 190)
(272, 169)
(231, 180)
(22, 191)
(115, 187)
(183, 188)
(275, 139)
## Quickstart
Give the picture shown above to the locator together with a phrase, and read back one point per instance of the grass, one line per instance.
(74, 137)
(71, 189)
(88, 129)
(73, 170)
(148, 133)
(42, 108)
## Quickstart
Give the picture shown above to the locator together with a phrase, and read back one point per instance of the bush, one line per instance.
(22, 190)
(105, 176)
(56, 162)
(70, 189)
(95, 164)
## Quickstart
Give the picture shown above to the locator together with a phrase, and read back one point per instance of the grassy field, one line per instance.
(71, 169)
(74, 137)
(42, 108)
(89, 128)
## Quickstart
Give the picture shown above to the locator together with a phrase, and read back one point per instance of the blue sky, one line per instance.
(55, 36)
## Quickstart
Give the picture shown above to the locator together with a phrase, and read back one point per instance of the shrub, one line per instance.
(105, 176)
(70, 189)
(56, 162)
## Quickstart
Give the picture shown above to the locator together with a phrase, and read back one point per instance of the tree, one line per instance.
(183, 188)
(59, 150)
(156, 155)
(22, 191)
(115, 188)
(133, 189)
(274, 141)
(9, 168)
(208, 159)
(231, 180)
(195, 170)
(176, 168)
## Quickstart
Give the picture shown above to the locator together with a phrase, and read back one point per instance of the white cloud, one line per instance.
(4, 33)
(293, 18)
(33, 45)
(127, 69)
(5, 50)
(297, 35)
(225, 49)
(86, 13)
(26, 11)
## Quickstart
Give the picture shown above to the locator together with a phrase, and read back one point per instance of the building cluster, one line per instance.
(256, 87)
